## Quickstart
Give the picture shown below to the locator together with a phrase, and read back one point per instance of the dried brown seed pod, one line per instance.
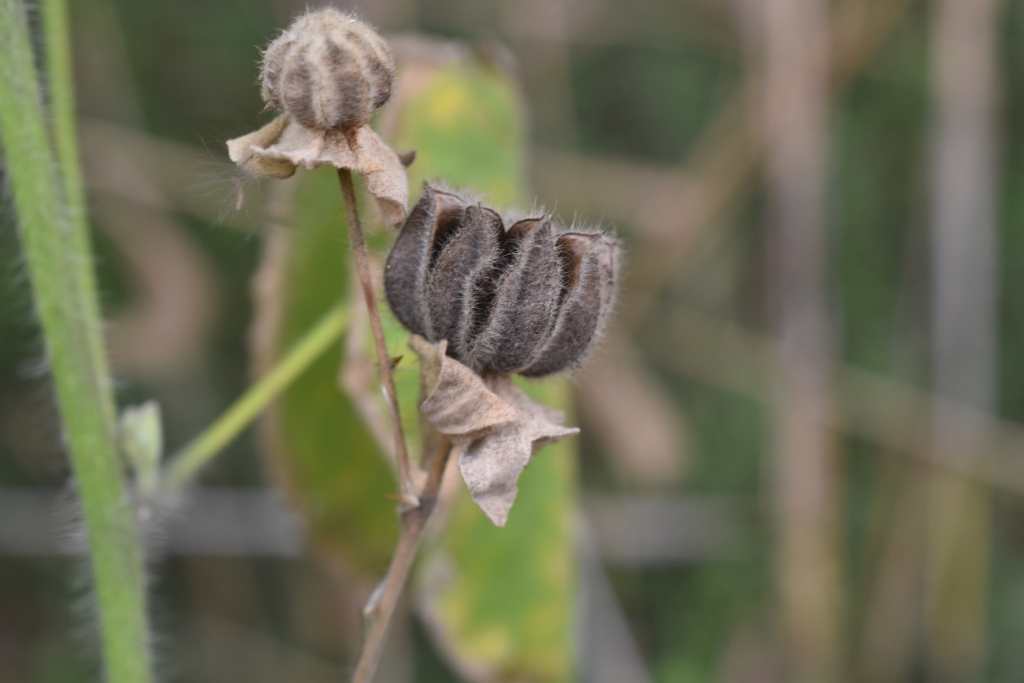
(523, 300)
(405, 274)
(456, 278)
(328, 71)
(585, 300)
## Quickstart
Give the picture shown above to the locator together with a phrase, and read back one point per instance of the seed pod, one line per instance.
(405, 274)
(328, 71)
(586, 299)
(523, 300)
(457, 284)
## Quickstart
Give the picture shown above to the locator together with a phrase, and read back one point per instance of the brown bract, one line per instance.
(276, 149)
(493, 425)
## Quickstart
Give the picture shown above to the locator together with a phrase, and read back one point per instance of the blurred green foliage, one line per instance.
(644, 93)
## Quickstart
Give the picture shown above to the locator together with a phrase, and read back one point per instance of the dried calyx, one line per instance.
(327, 74)
(526, 300)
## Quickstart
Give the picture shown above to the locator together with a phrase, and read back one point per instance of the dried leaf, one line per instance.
(279, 147)
(243, 151)
(496, 427)
(457, 402)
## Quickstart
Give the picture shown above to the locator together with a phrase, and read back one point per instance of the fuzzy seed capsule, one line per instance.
(328, 71)
(523, 300)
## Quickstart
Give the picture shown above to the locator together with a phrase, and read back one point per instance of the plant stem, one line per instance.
(59, 261)
(355, 231)
(380, 608)
(207, 444)
(57, 43)
(62, 102)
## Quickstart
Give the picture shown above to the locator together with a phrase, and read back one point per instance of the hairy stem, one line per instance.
(355, 231)
(59, 263)
(381, 607)
(62, 103)
(230, 424)
(57, 44)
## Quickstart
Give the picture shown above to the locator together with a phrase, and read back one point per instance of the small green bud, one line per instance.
(141, 436)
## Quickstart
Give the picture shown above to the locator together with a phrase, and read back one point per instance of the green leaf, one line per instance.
(466, 123)
(499, 601)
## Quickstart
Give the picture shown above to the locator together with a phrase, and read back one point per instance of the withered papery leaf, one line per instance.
(495, 427)
(243, 151)
(280, 146)
(491, 465)
(456, 401)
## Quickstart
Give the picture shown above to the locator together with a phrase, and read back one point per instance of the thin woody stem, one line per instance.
(381, 607)
(355, 231)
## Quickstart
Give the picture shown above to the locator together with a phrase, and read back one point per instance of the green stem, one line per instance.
(59, 262)
(206, 445)
(57, 42)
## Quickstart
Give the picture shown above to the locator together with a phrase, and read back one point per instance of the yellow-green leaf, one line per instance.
(499, 601)
(315, 442)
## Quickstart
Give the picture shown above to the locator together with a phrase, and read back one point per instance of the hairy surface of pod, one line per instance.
(525, 300)
(328, 71)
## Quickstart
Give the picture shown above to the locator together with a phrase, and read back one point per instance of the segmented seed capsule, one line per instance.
(524, 300)
(328, 71)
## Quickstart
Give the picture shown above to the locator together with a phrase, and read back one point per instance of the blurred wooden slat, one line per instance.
(210, 521)
(795, 48)
(964, 330)
(670, 529)
(230, 522)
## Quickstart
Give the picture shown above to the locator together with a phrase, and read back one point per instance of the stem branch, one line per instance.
(355, 231)
(230, 424)
(380, 608)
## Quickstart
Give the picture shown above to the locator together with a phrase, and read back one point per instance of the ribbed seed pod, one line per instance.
(457, 281)
(586, 299)
(524, 300)
(328, 71)
(405, 274)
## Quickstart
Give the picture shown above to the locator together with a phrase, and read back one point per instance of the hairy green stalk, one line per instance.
(304, 353)
(59, 259)
(57, 42)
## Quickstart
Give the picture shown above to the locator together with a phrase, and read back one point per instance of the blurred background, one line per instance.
(801, 455)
